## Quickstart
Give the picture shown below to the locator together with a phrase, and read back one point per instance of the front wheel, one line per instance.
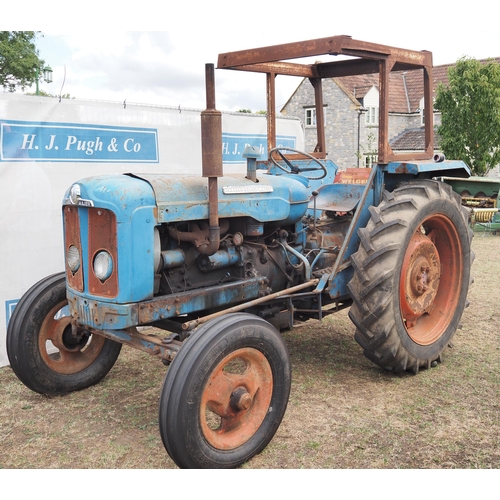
(225, 393)
(411, 276)
(41, 349)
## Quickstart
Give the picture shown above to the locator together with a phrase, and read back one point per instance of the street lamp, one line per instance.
(47, 76)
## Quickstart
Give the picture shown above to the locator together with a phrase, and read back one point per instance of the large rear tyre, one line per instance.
(411, 276)
(225, 393)
(41, 349)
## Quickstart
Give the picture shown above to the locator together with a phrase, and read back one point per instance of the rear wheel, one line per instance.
(225, 393)
(42, 351)
(411, 276)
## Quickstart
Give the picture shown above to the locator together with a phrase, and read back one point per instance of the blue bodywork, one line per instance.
(143, 203)
(282, 200)
(133, 203)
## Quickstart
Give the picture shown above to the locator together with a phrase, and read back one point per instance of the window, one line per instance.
(310, 117)
(433, 117)
(372, 116)
(370, 160)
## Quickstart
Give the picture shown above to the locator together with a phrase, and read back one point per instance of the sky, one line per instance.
(155, 53)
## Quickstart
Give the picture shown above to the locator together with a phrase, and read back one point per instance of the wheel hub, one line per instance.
(74, 353)
(420, 278)
(240, 399)
(236, 398)
(72, 342)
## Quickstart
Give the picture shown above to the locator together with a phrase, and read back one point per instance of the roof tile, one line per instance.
(406, 88)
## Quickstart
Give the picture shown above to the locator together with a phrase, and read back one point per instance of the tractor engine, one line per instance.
(138, 249)
(247, 249)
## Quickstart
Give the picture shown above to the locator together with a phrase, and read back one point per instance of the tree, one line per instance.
(19, 61)
(43, 93)
(470, 114)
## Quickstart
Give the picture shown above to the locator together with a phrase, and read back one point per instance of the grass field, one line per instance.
(344, 412)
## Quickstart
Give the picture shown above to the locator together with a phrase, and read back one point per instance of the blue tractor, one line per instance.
(221, 264)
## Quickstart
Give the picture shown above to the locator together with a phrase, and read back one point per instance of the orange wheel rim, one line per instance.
(236, 398)
(71, 356)
(431, 279)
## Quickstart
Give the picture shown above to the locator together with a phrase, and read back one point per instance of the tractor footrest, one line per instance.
(321, 272)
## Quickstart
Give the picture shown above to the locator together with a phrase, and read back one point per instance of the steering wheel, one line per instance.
(294, 169)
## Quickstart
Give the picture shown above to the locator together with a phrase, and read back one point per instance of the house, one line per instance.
(351, 105)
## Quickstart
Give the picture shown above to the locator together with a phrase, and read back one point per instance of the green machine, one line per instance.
(480, 196)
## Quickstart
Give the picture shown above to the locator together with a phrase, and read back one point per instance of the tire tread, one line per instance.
(373, 284)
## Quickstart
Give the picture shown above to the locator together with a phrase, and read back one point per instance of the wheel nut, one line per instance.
(240, 399)
(244, 402)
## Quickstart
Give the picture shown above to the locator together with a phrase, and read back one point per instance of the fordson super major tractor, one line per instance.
(223, 263)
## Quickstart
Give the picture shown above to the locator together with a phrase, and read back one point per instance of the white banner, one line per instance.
(46, 145)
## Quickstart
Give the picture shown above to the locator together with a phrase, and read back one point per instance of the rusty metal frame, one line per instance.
(368, 58)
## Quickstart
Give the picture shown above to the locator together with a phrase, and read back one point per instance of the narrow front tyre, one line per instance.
(42, 350)
(225, 393)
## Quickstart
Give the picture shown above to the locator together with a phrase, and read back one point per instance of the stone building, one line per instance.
(351, 114)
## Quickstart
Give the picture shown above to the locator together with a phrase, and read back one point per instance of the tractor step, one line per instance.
(321, 272)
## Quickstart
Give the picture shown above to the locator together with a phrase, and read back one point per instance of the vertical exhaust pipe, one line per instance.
(211, 147)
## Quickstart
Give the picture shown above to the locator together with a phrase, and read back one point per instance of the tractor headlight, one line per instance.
(74, 194)
(73, 259)
(103, 265)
